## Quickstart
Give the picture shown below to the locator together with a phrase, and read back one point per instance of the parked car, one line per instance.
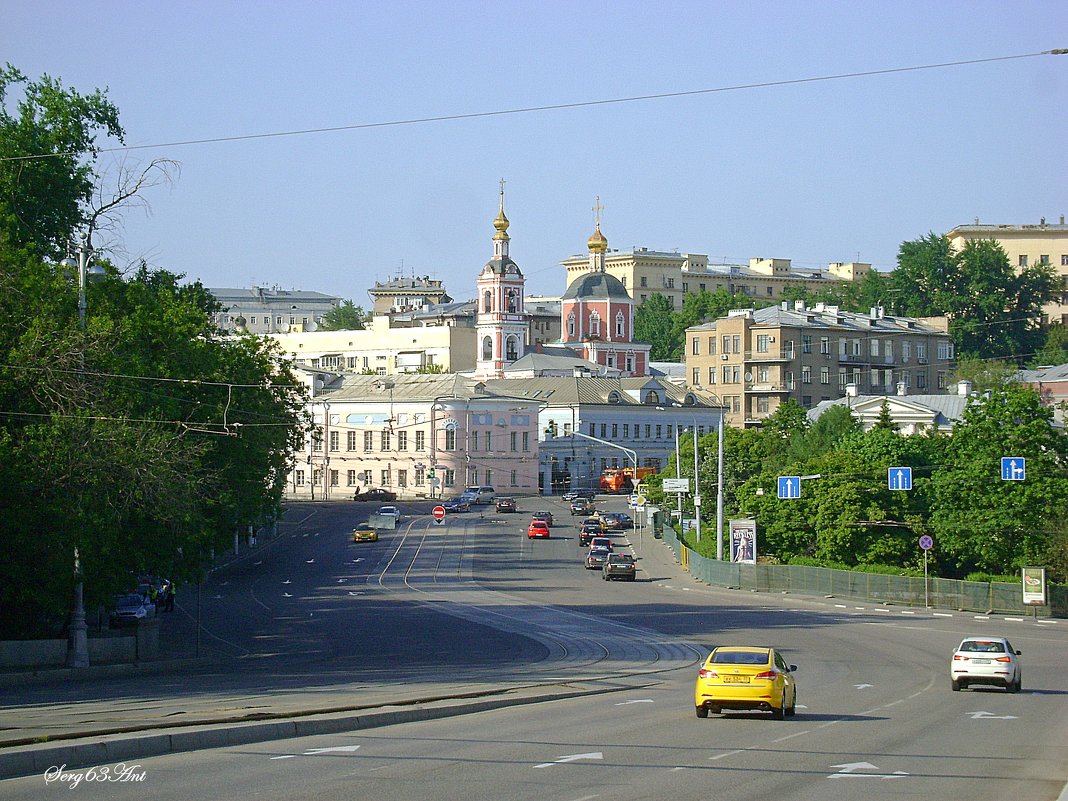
(376, 494)
(580, 506)
(986, 660)
(506, 504)
(617, 521)
(740, 677)
(132, 607)
(546, 517)
(479, 495)
(596, 557)
(364, 532)
(619, 566)
(457, 504)
(537, 528)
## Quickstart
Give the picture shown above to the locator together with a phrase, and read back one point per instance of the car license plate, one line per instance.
(735, 679)
(981, 661)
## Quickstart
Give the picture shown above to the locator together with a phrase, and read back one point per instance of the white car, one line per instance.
(390, 511)
(986, 660)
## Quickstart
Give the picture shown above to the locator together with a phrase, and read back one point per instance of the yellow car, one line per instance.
(739, 677)
(364, 533)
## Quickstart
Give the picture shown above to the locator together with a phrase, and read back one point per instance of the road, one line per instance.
(475, 600)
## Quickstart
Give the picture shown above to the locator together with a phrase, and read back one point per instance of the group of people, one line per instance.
(162, 596)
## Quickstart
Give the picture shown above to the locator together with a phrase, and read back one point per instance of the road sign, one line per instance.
(926, 542)
(899, 478)
(789, 486)
(676, 485)
(439, 514)
(1013, 468)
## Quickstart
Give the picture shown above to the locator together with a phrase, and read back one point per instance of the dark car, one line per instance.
(588, 532)
(619, 566)
(460, 504)
(376, 494)
(506, 505)
(546, 517)
(617, 521)
(580, 506)
(596, 558)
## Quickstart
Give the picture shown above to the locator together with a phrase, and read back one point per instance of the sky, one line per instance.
(813, 171)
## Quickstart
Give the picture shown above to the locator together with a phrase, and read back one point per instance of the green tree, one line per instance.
(983, 374)
(1054, 348)
(344, 317)
(654, 324)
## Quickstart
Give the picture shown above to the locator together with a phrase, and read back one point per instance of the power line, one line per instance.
(550, 107)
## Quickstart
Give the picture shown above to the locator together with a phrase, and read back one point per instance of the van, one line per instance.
(480, 494)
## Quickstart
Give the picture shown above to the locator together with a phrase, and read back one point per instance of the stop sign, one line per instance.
(439, 513)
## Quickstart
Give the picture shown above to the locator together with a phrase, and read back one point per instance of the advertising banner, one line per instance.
(1034, 586)
(743, 540)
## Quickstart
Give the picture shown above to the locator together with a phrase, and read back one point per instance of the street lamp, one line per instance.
(78, 640)
(697, 485)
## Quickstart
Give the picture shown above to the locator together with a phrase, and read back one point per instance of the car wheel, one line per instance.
(779, 713)
(702, 711)
(792, 709)
(955, 685)
(1017, 685)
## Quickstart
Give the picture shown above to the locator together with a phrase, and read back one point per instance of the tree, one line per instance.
(344, 317)
(654, 324)
(983, 374)
(1054, 348)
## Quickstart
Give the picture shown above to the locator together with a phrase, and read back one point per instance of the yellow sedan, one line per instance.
(364, 532)
(739, 677)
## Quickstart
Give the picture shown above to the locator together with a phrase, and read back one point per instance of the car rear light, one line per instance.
(959, 658)
(705, 673)
(1003, 659)
(768, 674)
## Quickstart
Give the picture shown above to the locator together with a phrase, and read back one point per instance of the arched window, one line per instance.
(595, 324)
(571, 324)
(619, 324)
(487, 348)
(487, 301)
(652, 398)
(513, 301)
(511, 348)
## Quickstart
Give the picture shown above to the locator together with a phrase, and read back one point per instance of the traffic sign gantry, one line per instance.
(439, 514)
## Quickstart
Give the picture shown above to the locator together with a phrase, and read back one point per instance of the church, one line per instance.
(597, 319)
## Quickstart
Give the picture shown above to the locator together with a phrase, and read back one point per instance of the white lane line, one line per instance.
(841, 606)
(881, 609)
(907, 612)
(1015, 619)
(981, 617)
(942, 614)
(727, 754)
(790, 736)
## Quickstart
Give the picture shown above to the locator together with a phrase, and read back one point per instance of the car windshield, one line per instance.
(131, 600)
(620, 559)
(986, 646)
(741, 657)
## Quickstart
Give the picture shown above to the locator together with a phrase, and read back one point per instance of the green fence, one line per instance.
(970, 596)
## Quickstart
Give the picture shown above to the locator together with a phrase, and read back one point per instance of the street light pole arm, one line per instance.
(632, 454)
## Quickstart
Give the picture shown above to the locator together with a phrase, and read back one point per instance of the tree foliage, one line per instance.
(344, 317)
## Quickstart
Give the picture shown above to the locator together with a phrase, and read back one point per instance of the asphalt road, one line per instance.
(476, 600)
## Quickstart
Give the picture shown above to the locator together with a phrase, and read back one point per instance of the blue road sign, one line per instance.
(899, 478)
(926, 542)
(789, 486)
(1013, 468)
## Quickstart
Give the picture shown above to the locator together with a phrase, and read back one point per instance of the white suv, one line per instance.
(986, 660)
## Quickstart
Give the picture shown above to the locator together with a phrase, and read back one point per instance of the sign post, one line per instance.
(927, 543)
(439, 515)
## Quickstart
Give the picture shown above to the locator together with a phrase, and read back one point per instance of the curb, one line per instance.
(36, 759)
(66, 675)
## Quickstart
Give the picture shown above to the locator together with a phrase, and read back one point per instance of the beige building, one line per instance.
(1026, 246)
(645, 272)
(381, 349)
(405, 294)
(755, 360)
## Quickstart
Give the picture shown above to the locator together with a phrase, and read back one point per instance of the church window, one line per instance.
(487, 348)
(487, 301)
(619, 324)
(512, 349)
(595, 324)
(571, 324)
(513, 301)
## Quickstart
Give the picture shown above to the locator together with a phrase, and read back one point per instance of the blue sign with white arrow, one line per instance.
(1013, 468)
(899, 478)
(789, 486)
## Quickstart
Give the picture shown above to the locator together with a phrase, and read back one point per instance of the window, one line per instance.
(806, 343)
(420, 476)
(941, 380)
(571, 324)
(1043, 259)
(350, 478)
(595, 324)
(511, 349)
(711, 374)
(350, 441)
(806, 401)
(526, 441)
(513, 301)
(604, 430)
(762, 343)
(515, 479)
(317, 477)
(513, 441)
(1064, 263)
(669, 283)
(945, 351)
(736, 374)
(696, 376)
(762, 404)
(906, 350)
(474, 440)
(385, 478)
(921, 380)
(298, 478)
(333, 478)
(644, 282)
(615, 431)
(726, 345)
(317, 439)
(487, 301)
(420, 440)
(489, 443)
(648, 430)
(712, 346)
(626, 430)
(825, 345)
(630, 363)
(726, 374)
(806, 374)
(450, 439)
(659, 432)
(385, 444)
(696, 347)
(368, 441)
(1023, 260)
(449, 479)
(402, 478)
(489, 477)
(487, 348)
(825, 375)
(402, 440)
(737, 343)
(874, 347)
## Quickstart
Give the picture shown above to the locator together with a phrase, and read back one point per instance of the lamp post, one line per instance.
(78, 641)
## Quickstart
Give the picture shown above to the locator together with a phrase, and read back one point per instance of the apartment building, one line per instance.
(1026, 246)
(270, 310)
(755, 360)
(644, 272)
(405, 294)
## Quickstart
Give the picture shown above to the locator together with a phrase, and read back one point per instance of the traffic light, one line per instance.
(550, 432)
(430, 473)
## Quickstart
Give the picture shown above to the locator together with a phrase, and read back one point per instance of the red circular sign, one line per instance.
(439, 512)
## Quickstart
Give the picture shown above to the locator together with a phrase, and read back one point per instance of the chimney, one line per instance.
(964, 388)
(851, 390)
(902, 389)
(799, 305)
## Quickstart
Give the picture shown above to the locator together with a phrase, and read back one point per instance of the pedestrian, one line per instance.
(169, 604)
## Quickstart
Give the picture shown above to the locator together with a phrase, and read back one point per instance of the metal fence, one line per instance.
(970, 596)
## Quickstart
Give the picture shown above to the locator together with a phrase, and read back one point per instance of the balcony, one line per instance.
(769, 387)
(783, 355)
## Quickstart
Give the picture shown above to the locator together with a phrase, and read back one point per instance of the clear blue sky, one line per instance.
(813, 172)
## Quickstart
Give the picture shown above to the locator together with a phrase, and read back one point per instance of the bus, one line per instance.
(623, 480)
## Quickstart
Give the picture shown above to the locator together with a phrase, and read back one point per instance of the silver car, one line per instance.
(986, 660)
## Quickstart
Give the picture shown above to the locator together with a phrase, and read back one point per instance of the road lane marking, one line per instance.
(790, 736)
(727, 754)
(571, 758)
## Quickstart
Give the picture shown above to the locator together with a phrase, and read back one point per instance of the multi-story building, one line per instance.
(271, 310)
(383, 350)
(422, 436)
(645, 272)
(405, 294)
(755, 360)
(1026, 246)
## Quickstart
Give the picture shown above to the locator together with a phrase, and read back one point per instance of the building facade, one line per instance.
(266, 310)
(755, 360)
(404, 294)
(1026, 246)
(421, 436)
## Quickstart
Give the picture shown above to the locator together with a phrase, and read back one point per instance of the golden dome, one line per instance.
(501, 223)
(597, 243)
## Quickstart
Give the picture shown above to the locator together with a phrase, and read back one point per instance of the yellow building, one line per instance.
(645, 272)
(755, 360)
(1026, 246)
